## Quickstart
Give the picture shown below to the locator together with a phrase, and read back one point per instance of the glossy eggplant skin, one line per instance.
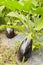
(10, 32)
(25, 50)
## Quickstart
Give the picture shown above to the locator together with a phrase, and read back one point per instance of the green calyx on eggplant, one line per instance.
(25, 50)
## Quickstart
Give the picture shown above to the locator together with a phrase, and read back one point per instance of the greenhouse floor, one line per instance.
(35, 59)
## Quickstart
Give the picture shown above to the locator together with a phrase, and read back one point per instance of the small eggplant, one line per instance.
(25, 50)
(10, 32)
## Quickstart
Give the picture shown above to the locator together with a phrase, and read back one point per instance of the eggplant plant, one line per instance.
(32, 19)
(30, 14)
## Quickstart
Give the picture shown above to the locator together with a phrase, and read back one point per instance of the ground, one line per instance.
(7, 50)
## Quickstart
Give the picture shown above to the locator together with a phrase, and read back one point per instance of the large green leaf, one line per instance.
(13, 5)
(25, 5)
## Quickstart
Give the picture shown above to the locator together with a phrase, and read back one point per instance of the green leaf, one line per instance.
(21, 28)
(1, 8)
(34, 2)
(13, 5)
(12, 14)
(38, 10)
(20, 16)
(27, 5)
(39, 24)
(1, 2)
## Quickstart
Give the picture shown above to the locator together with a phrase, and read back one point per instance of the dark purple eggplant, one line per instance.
(10, 32)
(25, 50)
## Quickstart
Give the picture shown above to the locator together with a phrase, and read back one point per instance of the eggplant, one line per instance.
(25, 50)
(10, 32)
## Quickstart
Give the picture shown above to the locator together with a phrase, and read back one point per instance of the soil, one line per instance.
(35, 59)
